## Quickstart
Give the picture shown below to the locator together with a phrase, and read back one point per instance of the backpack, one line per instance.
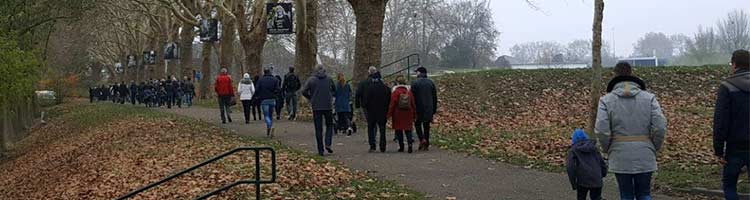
(291, 82)
(404, 101)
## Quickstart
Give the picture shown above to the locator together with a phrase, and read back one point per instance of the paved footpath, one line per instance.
(436, 173)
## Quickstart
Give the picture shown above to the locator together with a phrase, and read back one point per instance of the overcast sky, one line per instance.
(624, 20)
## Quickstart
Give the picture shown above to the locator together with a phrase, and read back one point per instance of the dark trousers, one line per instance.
(224, 108)
(423, 130)
(279, 106)
(400, 137)
(246, 107)
(344, 121)
(594, 193)
(132, 99)
(731, 172)
(318, 117)
(634, 186)
(373, 126)
(255, 110)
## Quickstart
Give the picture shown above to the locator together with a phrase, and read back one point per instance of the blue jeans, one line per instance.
(268, 106)
(318, 117)
(188, 99)
(731, 172)
(291, 105)
(634, 186)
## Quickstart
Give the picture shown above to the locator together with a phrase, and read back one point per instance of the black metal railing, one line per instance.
(409, 65)
(257, 181)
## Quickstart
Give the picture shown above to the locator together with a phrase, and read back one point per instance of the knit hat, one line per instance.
(579, 135)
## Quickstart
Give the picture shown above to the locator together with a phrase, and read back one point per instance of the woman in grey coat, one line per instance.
(631, 128)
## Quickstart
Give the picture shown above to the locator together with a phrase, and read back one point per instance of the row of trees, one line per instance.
(26, 28)
(348, 36)
(709, 45)
(551, 52)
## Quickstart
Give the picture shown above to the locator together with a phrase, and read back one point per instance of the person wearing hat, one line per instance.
(425, 97)
(246, 90)
(585, 166)
(631, 129)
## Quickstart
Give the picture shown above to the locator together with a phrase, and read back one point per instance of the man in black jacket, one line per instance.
(361, 88)
(133, 92)
(291, 85)
(375, 100)
(732, 123)
(425, 97)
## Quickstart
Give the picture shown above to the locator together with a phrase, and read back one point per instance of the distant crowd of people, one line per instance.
(631, 128)
(166, 92)
(408, 106)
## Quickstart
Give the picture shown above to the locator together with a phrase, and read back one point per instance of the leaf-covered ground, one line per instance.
(526, 117)
(103, 151)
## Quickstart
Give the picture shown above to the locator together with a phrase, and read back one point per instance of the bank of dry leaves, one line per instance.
(60, 161)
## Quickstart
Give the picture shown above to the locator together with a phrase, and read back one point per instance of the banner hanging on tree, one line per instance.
(131, 61)
(280, 18)
(149, 57)
(209, 30)
(171, 51)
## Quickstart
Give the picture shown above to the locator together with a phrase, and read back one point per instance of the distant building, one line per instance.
(644, 61)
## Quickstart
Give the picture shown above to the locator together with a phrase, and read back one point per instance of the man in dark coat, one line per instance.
(732, 123)
(169, 87)
(266, 91)
(319, 90)
(91, 94)
(291, 85)
(361, 88)
(124, 92)
(375, 100)
(133, 92)
(425, 95)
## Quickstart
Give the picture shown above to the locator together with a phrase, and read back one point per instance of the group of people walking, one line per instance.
(631, 128)
(152, 93)
(260, 96)
(408, 106)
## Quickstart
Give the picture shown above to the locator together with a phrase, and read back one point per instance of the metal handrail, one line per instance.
(408, 65)
(257, 181)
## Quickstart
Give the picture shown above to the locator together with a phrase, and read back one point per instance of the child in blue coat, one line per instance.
(586, 168)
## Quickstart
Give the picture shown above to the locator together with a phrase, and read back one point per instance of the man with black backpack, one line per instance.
(731, 126)
(291, 86)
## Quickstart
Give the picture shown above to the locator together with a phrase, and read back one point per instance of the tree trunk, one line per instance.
(254, 38)
(96, 73)
(205, 70)
(596, 64)
(368, 46)
(307, 42)
(186, 50)
(226, 47)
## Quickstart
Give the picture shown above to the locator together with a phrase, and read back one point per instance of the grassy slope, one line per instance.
(526, 117)
(102, 151)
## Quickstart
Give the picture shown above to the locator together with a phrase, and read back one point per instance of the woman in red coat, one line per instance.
(403, 113)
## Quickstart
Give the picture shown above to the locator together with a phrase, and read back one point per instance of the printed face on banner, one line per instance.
(279, 18)
(209, 30)
(171, 51)
(131, 61)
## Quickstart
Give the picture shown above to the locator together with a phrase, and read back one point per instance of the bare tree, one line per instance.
(370, 15)
(307, 41)
(734, 32)
(596, 63)
(654, 44)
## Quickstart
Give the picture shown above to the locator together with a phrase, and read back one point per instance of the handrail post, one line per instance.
(257, 174)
